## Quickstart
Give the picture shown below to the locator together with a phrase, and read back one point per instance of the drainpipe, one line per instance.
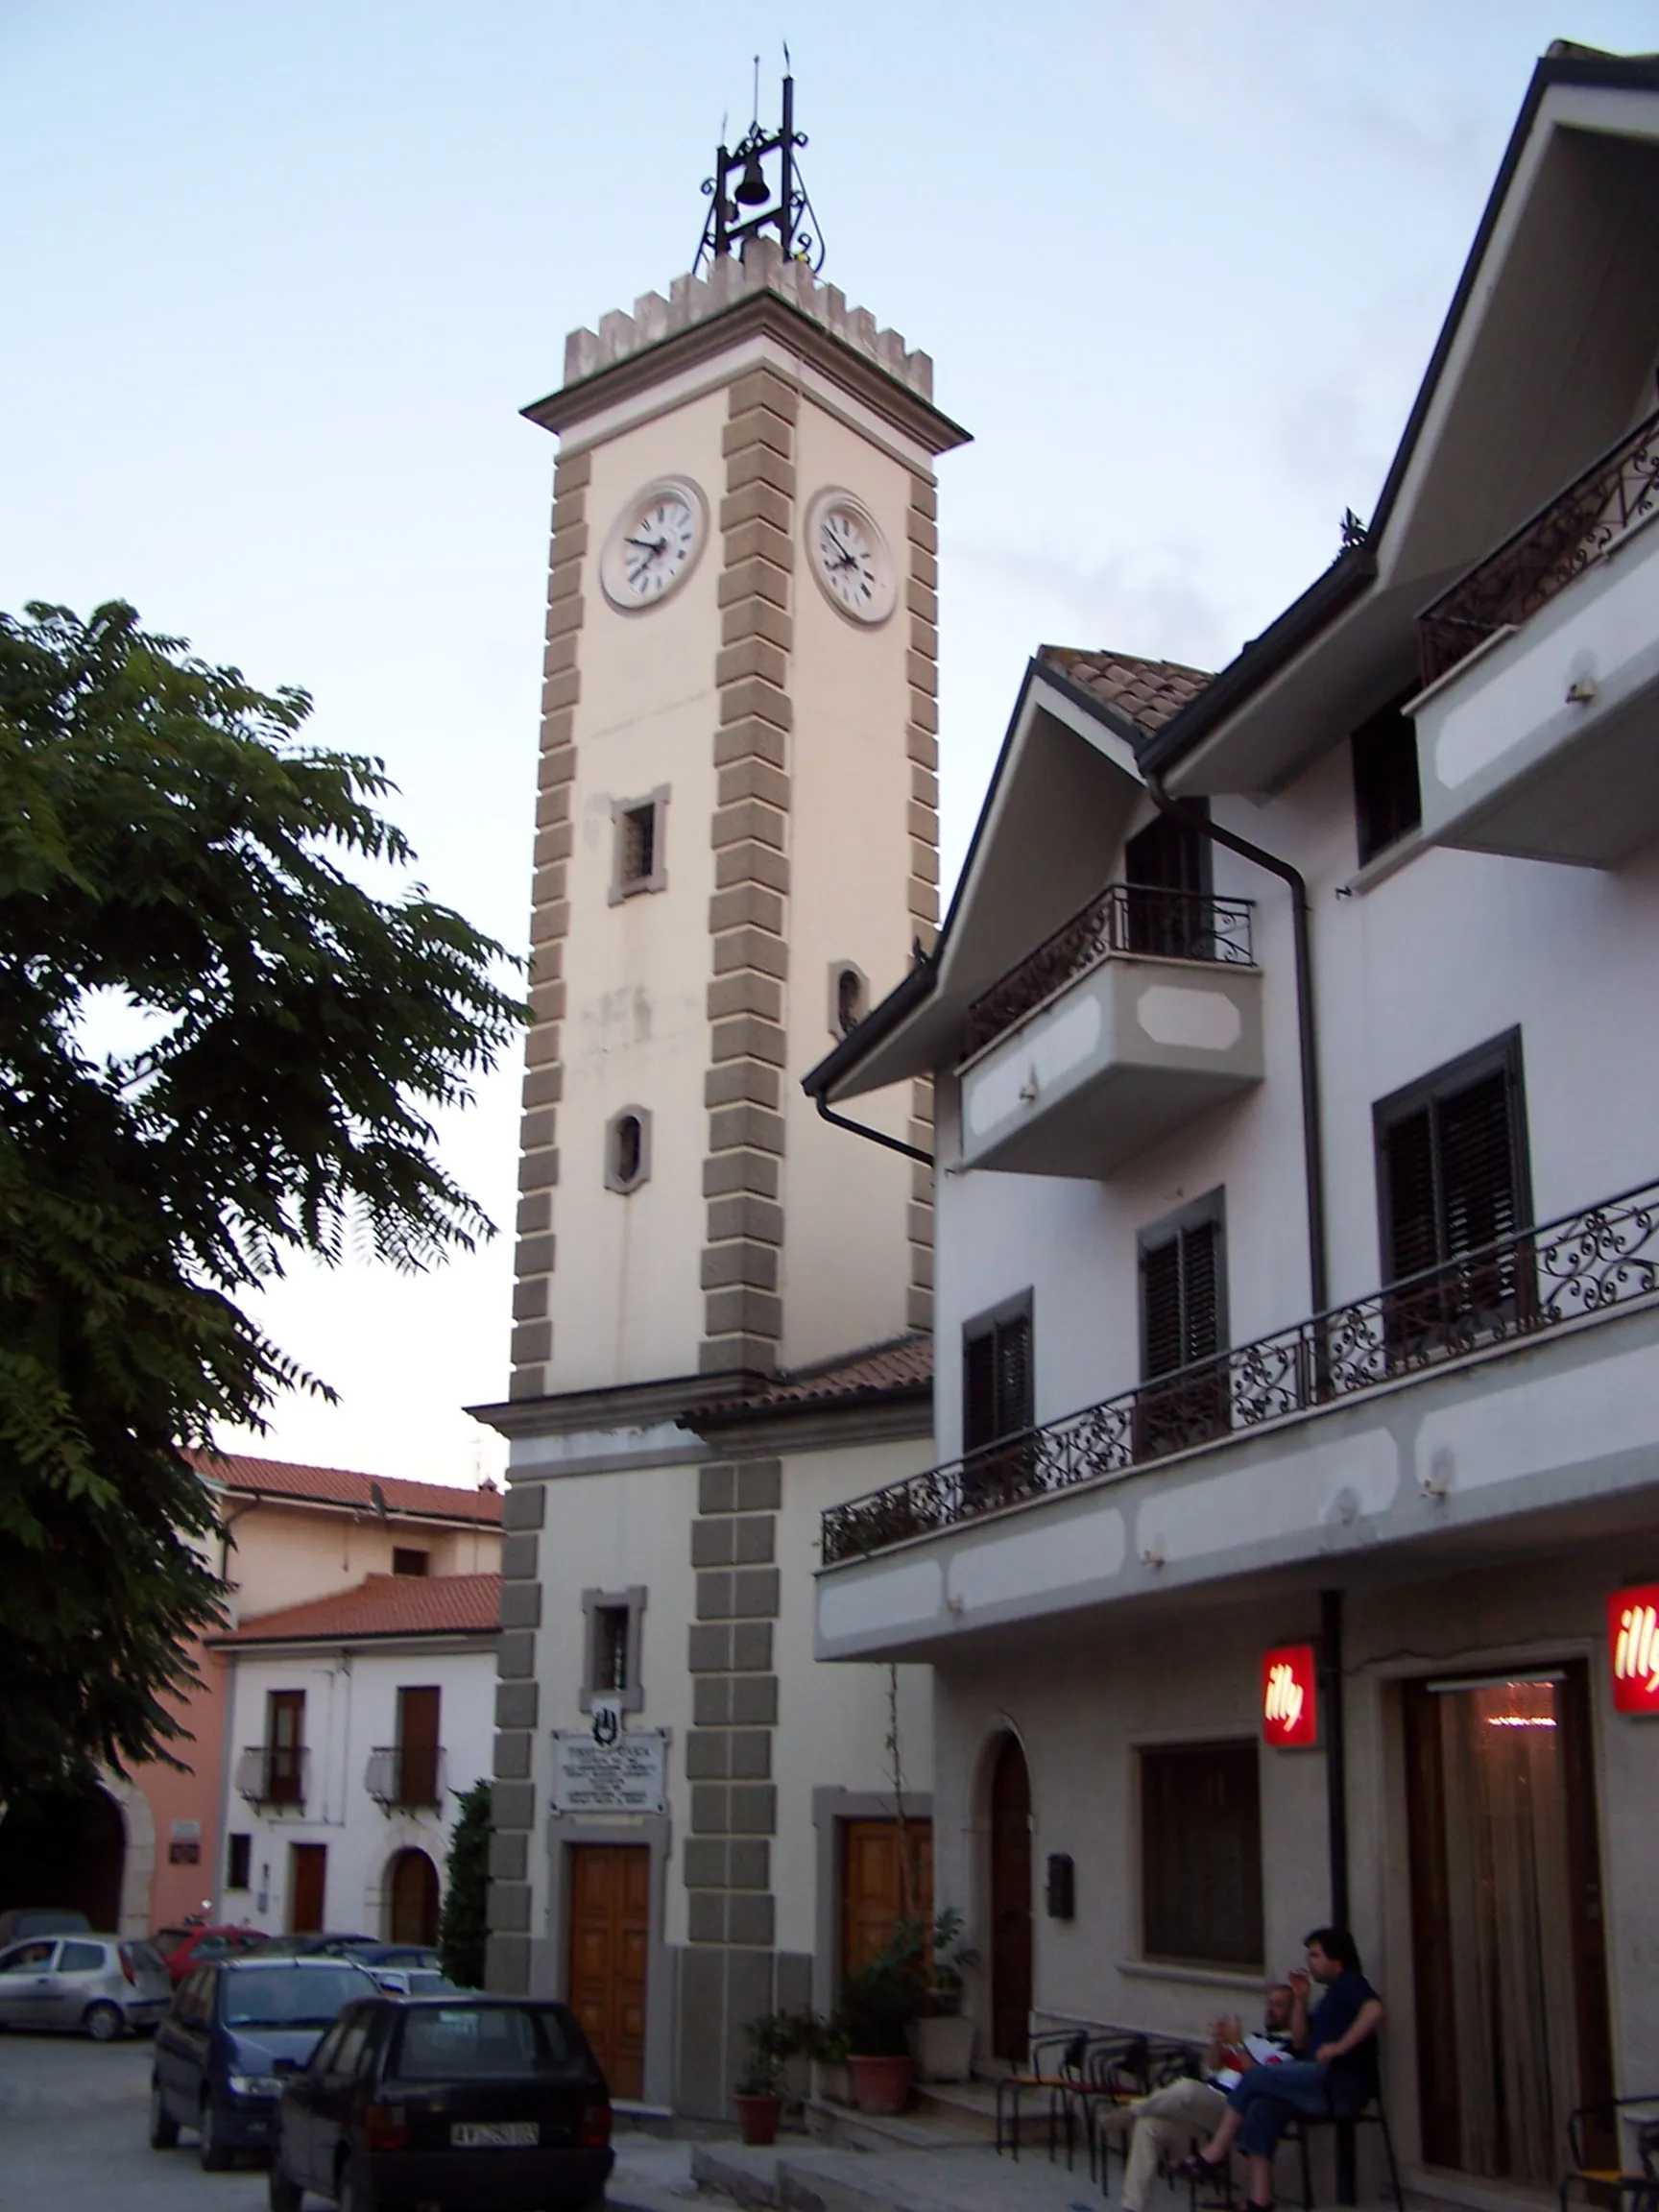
(875, 1136)
(1313, 1149)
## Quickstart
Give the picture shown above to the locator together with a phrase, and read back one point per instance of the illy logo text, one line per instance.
(1285, 1696)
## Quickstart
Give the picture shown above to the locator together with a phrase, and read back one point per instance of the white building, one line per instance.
(737, 845)
(1373, 1005)
(353, 1723)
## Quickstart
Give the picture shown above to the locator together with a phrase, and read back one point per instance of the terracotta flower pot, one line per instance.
(880, 2085)
(758, 2117)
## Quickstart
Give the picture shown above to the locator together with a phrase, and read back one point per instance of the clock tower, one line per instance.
(736, 855)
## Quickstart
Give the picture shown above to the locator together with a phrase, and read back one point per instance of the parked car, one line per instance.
(466, 2102)
(183, 1948)
(327, 1945)
(393, 1964)
(235, 2027)
(95, 1985)
(20, 1920)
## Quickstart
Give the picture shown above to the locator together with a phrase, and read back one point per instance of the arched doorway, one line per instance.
(412, 1889)
(67, 1848)
(1010, 1901)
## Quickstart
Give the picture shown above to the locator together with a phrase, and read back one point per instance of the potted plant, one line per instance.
(941, 2039)
(823, 2039)
(759, 2092)
(878, 2004)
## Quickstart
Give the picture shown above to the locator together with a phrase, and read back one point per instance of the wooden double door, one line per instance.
(610, 1945)
(886, 1875)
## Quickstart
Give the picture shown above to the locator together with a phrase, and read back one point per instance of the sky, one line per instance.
(277, 278)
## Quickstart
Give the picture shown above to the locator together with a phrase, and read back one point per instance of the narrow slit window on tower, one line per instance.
(627, 1149)
(849, 997)
(610, 1658)
(640, 826)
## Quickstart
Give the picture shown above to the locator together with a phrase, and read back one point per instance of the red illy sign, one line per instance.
(1289, 1696)
(1633, 1649)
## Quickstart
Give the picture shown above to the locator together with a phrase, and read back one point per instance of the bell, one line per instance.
(753, 190)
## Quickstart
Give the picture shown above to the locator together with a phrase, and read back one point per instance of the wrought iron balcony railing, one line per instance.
(273, 1773)
(1545, 554)
(1585, 1264)
(405, 1774)
(1123, 918)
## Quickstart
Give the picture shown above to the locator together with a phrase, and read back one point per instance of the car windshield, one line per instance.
(490, 2042)
(290, 1996)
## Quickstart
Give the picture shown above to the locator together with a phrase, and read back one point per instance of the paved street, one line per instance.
(72, 2127)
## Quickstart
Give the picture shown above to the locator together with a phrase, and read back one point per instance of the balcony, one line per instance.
(1139, 1013)
(1523, 1288)
(1538, 726)
(405, 1777)
(274, 1774)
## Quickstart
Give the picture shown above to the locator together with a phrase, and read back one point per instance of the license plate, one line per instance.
(493, 2135)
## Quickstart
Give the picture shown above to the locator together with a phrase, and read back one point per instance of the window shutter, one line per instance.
(980, 1390)
(1477, 1165)
(1161, 1307)
(1013, 1338)
(1413, 1216)
(1200, 1316)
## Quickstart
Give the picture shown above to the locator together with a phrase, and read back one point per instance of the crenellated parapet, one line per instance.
(695, 299)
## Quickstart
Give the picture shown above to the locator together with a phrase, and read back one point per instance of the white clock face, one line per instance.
(654, 544)
(849, 557)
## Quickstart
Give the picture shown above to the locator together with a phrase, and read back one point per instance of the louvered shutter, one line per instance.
(979, 1391)
(1014, 1375)
(1200, 1306)
(1476, 1164)
(1413, 1214)
(1161, 1307)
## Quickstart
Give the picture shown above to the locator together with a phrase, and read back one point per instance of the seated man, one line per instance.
(1159, 2122)
(1333, 2073)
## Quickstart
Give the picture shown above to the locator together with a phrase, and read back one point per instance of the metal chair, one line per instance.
(1634, 2188)
(1373, 2114)
(1054, 2066)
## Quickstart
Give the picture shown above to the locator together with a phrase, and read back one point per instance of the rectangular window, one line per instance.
(408, 1561)
(1451, 1180)
(997, 1402)
(285, 1748)
(418, 1740)
(638, 831)
(238, 1863)
(1183, 1323)
(1388, 799)
(1201, 1854)
(611, 1662)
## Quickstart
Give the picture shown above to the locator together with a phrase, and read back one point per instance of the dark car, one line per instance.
(393, 1964)
(190, 1946)
(477, 2103)
(236, 2027)
(323, 1945)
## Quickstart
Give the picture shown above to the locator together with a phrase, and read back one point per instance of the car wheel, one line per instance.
(103, 2022)
(164, 2128)
(214, 2154)
(285, 2196)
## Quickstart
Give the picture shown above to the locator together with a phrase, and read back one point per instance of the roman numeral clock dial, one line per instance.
(653, 545)
(849, 557)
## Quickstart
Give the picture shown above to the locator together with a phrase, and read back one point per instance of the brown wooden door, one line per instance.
(418, 1721)
(414, 1899)
(307, 1887)
(609, 1934)
(1010, 1902)
(873, 1889)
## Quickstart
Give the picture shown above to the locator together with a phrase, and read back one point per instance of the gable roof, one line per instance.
(1149, 693)
(382, 1605)
(280, 1480)
(1558, 252)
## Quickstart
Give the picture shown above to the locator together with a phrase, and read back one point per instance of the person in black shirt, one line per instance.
(1333, 2073)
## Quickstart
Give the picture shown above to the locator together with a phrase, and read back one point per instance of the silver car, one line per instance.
(97, 1986)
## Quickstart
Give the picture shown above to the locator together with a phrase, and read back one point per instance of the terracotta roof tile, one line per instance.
(384, 1605)
(907, 1363)
(339, 1486)
(1148, 692)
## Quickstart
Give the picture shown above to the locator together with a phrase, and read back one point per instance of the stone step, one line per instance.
(968, 2106)
(944, 2129)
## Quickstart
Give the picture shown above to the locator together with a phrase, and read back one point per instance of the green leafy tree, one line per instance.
(462, 1923)
(169, 847)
